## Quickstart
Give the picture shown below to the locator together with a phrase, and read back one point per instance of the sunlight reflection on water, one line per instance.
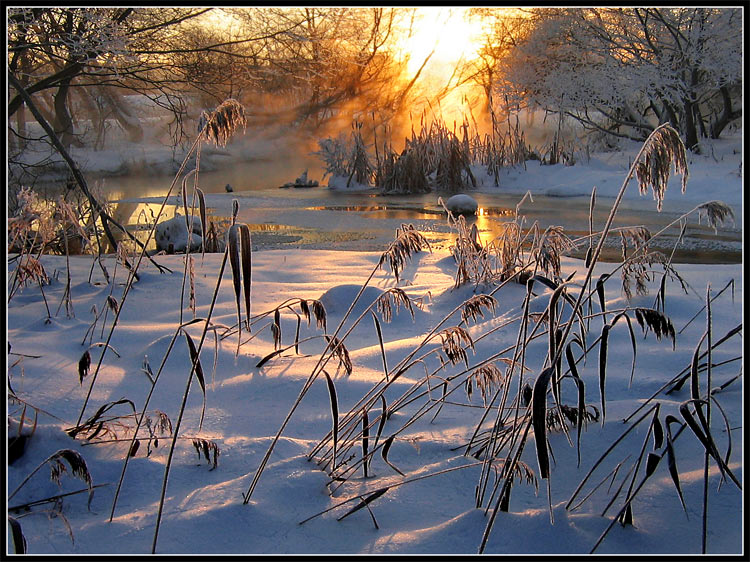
(321, 218)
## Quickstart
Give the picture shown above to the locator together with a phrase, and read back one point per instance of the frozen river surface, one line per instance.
(321, 218)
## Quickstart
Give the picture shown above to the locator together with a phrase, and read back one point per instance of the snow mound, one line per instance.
(462, 204)
(171, 235)
(337, 300)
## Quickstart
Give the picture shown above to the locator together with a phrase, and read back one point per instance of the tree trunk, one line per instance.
(124, 115)
(727, 116)
(63, 122)
(690, 130)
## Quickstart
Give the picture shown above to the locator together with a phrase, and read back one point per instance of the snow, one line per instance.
(462, 204)
(204, 511)
(172, 234)
(245, 406)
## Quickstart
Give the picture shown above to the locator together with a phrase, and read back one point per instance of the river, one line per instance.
(366, 220)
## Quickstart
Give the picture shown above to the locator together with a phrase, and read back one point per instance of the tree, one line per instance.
(328, 62)
(635, 67)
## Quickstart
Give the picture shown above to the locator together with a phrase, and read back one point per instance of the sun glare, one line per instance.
(450, 32)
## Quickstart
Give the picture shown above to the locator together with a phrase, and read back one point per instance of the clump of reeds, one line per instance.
(348, 157)
(453, 172)
(361, 169)
(406, 172)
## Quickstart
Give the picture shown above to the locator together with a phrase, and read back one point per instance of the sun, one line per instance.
(452, 33)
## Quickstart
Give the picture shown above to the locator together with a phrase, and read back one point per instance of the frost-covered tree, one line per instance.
(329, 62)
(626, 70)
(56, 53)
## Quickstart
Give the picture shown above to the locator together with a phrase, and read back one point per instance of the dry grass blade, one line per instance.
(383, 418)
(188, 217)
(84, 363)
(384, 453)
(538, 418)
(365, 440)
(581, 396)
(234, 262)
(727, 429)
(240, 260)
(600, 293)
(95, 421)
(681, 379)
(202, 210)
(702, 432)
(672, 461)
(612, 446)
(379, 333)
(247, 268)
(632, 340)
(196, 362)
(694, 380)
(19, 541)
(334, 417)
(366, 501)
(268, 357)
(276, 329)
(191, 275)
(663, 149)
(603, 344)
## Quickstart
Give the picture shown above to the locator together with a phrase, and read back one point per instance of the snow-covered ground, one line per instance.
(246, 405)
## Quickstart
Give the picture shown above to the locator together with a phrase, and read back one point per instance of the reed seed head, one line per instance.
(663, 148)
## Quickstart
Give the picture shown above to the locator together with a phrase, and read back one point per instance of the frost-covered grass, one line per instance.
(403, 401)
(245, 406)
